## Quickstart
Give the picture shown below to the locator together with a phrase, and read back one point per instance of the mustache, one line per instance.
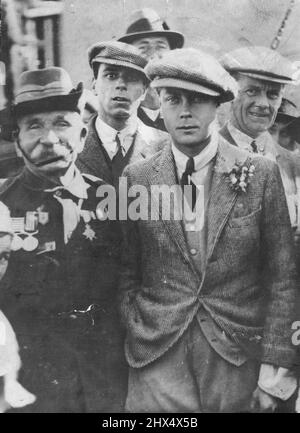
(49, 158)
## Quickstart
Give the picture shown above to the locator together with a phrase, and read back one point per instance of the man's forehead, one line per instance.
(245, 80)
(151, 40)
(49, 115)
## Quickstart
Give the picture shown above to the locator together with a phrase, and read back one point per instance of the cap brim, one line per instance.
(176, 39)
(193, 87)
(100, 59)
(266, 76)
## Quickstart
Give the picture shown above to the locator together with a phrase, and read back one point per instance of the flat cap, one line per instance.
(194, 70)
(117, 53)
(259, 62)
(5, 220)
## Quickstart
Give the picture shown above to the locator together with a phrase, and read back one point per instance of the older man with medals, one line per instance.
(60, 285)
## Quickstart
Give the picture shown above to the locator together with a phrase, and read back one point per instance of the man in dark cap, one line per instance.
(207, 299)
(262, 75)
(116, 136)
(59, 290)
(152, 37)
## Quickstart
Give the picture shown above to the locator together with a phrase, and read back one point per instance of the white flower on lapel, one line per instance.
(239, 176)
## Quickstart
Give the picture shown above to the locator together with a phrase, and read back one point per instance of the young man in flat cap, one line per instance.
(152, 37)
(116, 136)
(59, 290)
(207, 299)
(261, 74)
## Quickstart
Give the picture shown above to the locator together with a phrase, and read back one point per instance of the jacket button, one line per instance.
(193, 251)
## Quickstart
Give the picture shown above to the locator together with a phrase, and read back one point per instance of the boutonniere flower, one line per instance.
(239, 176)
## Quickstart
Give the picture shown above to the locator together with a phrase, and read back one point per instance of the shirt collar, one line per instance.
(73, 182)
(264, 141)
(107, 135)
(200, 160)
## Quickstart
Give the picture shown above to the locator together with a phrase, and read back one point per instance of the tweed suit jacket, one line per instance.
(248, 285)
(92, 161)
(289, 167)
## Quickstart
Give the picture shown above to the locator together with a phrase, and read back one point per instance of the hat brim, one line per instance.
(176, 39)
(265, 76)
(100, 59)
(193, 87)
(67, 102)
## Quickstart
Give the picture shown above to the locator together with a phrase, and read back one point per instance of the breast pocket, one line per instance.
(250, 219)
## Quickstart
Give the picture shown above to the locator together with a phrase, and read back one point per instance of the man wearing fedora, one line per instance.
(207, 302)
(262, 75)
(59, 290)
(152, 37)
(116, 136)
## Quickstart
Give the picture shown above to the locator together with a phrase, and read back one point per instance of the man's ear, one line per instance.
(83, 135)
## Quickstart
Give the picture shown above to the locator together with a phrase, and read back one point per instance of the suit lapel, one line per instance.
(92, 156)
(164, 174)
(139, 148)
(222, 196)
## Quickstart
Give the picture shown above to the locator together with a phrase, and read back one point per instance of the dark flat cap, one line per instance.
(146, 22)
(259, 62)
(194, 70)
(46, 89)
(117, 53)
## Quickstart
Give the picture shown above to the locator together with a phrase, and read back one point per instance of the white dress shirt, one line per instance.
(264, 142)
(107, 135)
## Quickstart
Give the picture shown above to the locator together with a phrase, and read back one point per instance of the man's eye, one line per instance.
(251, 92)
(34, 126)
(273, 95)
(173, 99)
(111, 75)
(63, 124)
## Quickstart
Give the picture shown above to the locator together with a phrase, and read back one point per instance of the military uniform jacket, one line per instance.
(64, 292)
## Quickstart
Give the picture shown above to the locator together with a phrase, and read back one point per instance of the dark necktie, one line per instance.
(119, 155)
(254, 146)
(186, 180)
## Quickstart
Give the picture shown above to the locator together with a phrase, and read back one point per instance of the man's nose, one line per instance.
(49, 137)
(185, 108)
(262, 100)
(121, 83)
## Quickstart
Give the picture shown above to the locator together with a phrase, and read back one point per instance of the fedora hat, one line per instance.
(46, 89)
(146, 22)
(289, 115)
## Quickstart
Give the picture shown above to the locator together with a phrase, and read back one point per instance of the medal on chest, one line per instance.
(25, 229)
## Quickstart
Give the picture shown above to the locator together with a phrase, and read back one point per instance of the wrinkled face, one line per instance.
(256, 105)
(51, 141)
(119, 90)
(152, 47)
(5, 244)
(187, 115)
(281, 135)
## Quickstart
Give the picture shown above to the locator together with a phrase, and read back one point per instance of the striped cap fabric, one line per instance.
(117, 53)
(259, 62)
(193, 70)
